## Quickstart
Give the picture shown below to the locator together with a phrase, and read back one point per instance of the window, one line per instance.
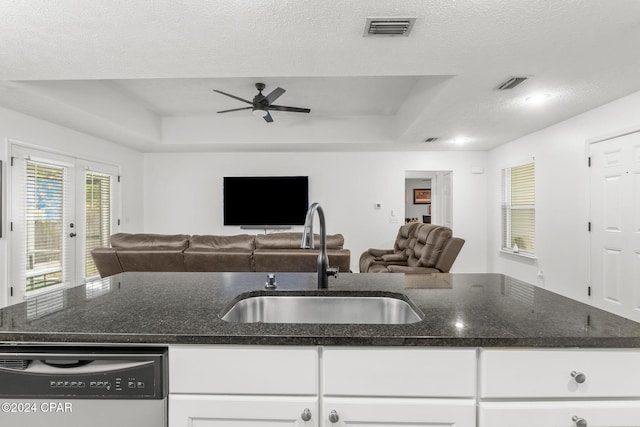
(518, 209)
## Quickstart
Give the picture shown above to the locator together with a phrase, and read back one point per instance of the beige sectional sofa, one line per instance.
(418, 248)
(180, 252)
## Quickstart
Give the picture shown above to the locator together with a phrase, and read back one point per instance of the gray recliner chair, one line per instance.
(428, 248)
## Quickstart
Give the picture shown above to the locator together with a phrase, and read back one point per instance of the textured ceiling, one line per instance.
(141, 73)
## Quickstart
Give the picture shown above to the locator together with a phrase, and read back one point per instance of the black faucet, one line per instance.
(324, 271)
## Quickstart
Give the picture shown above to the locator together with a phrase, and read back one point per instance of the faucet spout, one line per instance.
(324, 271)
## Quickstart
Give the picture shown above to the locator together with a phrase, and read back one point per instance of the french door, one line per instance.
(61, 208)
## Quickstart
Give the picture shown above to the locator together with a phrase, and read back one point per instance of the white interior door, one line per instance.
(615, 225)
(446, 198)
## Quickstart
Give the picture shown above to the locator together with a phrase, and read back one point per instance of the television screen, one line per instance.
(265, 200)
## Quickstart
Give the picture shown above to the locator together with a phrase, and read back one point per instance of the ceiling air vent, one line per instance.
(431, 139)
(512, 82)
(388, 26)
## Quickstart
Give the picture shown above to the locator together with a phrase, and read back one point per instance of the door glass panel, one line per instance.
(44, 227)
(98, 217)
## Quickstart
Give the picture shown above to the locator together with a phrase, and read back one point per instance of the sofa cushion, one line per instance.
(151, 260)
(299, 260)
(430, 241)
(294, 240)
(404, 238)
(203, 259)
(241, 242)
(150, 242)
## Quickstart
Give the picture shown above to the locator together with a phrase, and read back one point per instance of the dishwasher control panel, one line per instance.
(126, 374)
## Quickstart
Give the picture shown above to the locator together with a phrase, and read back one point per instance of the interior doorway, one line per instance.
(429, 197)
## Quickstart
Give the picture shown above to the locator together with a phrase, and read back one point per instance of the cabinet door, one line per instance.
(377, 412)
(241, 411)
(559, 414)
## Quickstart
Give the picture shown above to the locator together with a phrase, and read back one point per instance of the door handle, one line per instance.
(72, 234)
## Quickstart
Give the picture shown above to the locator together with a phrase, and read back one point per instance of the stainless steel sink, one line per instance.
(322, 309)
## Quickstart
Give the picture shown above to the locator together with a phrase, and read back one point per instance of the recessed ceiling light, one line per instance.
(460, 140)
(537, 99)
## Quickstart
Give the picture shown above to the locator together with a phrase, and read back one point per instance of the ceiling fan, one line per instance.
(262, 104)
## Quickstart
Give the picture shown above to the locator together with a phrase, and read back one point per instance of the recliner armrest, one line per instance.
(395, 258)
(379, 253)
(406, 269)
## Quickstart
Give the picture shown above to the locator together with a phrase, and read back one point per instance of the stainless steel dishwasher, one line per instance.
(83, 386)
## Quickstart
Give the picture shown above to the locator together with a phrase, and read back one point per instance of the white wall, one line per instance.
(183, 193)
(26, 129)
(562, 203)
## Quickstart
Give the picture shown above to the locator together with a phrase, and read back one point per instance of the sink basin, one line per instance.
(322, 309)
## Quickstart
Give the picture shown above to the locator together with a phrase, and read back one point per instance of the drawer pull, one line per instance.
(579, 377)
(580, 422)
(306, 415)
(333, 417)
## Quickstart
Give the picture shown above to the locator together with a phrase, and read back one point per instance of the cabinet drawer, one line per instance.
(548, 373)
(394, 372)
(191, 410)
(399, 412)
(559, 414)
(243, 370)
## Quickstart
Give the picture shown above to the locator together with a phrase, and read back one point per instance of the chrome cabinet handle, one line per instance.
(333, 417)
(579, 377)
(580, 422)
(306, 414)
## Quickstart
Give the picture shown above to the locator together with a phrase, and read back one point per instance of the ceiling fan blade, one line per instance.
(235, 109)
(233, 96)
(268, 118)
(290, 109)
(275, 94)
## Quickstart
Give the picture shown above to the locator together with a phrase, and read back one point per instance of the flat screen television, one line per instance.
(263, 201)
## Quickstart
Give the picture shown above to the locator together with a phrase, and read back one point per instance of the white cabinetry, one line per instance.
(548, 387)
(249, 386)
(398, 387)
(252, 386)
(243, 386)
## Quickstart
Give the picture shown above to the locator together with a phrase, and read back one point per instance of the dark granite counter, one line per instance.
(168, 308)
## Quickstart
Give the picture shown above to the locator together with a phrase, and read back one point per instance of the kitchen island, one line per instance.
(483, 310)
(489, 351)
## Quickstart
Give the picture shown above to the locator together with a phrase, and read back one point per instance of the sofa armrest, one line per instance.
(106, 261)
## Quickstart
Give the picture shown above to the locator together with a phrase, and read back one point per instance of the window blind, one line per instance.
(97, 217)
(44, 216)
(518, 209)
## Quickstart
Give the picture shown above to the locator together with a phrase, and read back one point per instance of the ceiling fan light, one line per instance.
(258, 112)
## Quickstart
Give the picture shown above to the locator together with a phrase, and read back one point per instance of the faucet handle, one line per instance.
(332, 271)
(271, 281)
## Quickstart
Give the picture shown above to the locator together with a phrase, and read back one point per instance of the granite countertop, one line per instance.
(184, 308)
